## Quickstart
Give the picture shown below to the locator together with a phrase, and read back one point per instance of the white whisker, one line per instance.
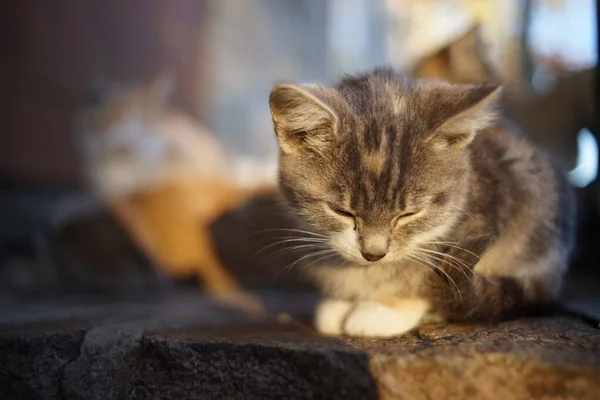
(285, 230)
(444, 256)
(280, 242)
(453, 244)
(419, 263)
(467, 213)
(320, 259)
(435, 267)
(316, 246)
(424, 258)
(289, 267)
(317, 253)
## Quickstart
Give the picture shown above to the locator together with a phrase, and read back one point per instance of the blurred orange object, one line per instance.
(167, 179)
(175, 220)
(172, 225)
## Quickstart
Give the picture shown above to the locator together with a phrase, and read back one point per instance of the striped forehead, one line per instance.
(379, 141)
(376, 166)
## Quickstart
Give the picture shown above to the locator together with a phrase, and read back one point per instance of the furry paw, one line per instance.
(374, 319)
(330, 316)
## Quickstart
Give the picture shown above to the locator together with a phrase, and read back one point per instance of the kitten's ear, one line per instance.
(468, 109)
(302, 121)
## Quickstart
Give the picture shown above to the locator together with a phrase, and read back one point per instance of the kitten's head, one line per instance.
(378, 163)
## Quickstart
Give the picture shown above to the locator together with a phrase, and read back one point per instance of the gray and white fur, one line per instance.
(434, 206)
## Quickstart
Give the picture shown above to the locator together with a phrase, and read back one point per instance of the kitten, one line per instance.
(434, 208)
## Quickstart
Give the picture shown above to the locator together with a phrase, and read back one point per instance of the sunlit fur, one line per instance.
(419, 171)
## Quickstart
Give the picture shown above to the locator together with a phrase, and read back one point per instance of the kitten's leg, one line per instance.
(459, 292)
(330, 316)
(452, 288)
(385, 318)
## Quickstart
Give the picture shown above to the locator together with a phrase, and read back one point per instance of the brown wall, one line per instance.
(50, 50)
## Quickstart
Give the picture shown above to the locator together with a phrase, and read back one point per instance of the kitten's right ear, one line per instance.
(468, 109)
(301, 120)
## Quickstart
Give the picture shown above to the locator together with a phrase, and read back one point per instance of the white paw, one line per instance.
(373, 319)
(330, 316)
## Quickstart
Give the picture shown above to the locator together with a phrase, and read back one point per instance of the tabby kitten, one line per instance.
(435, 209)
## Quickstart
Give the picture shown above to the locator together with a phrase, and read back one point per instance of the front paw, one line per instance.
(374, 319)
(330, 316)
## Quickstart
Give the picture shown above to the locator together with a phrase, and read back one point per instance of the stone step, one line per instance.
(190, 348)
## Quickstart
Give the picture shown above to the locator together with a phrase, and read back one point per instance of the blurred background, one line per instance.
(137, 148)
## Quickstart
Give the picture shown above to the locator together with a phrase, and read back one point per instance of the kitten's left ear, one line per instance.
(302, 121)
(468, 110)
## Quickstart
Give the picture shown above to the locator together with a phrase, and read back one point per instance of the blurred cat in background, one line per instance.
(131, 139)
(164, 176)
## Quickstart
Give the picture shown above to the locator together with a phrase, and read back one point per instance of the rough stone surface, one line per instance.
(189, 348)
(33, 362)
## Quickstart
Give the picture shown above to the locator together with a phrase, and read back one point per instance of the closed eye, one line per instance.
(341, 212)
(404, 216)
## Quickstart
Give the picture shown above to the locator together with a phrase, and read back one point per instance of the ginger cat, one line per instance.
(166, 178)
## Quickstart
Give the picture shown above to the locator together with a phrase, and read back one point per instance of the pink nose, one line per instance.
(372, 257)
